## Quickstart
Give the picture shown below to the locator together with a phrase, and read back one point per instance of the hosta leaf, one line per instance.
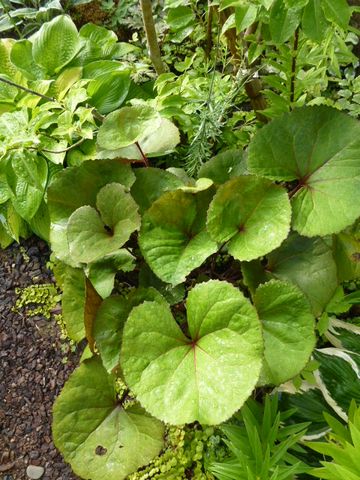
(224, 166)
(93, 234)
(6, 65)
(206, 376)
(173, 238)
(126, 126)
(251, 214)
(27, 175)
(98, 437)
(22, 56)
(102, 273)
(56, 44)
(73, 302)
(64, 199)
(320, 148)
(109, 91)
(288, 330)
(309, 264)
(110, 320)
(150, 184)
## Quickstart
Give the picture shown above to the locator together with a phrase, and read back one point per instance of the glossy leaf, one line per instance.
(98, 437)
(206, 376)
(173, 238)
(110, 320)
(108, 92)
(288, 331)
(92, 234)
(251, 214)
(126, 126)
(64, 199)
(56, 44)
(296, 146)
(309, 264)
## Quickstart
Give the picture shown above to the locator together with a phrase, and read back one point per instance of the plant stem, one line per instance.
(28, 90)
(149, 26)
(145, 160)
(209, 39)
(293, 67)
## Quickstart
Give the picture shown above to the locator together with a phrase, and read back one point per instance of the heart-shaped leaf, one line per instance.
(288, 331)
(173, 238)
(98, 437)
(305, 145)
(92, 235)
(309, 264)
(126, 126)
(206, 376)
(64, 199)
(110, 320)
(251, 214)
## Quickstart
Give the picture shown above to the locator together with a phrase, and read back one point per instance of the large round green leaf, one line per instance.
(110, 319)
(127, 125)
(56, 44)
(288, 331)
(64, 199)
(93, 234)
(251, 214)
(319, 147)
(309, 264)
(205, 376)
(100, 439)
(173, 238)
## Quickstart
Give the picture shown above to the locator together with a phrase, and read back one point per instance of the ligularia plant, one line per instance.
(227, 274)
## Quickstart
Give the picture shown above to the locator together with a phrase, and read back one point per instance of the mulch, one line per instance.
(32, 370)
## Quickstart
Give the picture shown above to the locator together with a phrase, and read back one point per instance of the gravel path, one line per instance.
(31, 370)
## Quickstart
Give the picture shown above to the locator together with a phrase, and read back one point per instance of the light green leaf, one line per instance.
(283, 21)
(98, 437)
(288, 331)
(320, 148)
(40, 222)
(337, 11)
(200, 185)
(5, 192)
(309, 264)
(150, 184)
(314, 23)
(56, 44)
(126, 126)
(108, 92)
(180, 17)
(64, 199)
(102, 273)
(6, 65)
(110, 320)
(224, 166)
(173, 239)
(14, 226)
(27, 175)
(206, 376)
(346, 247)
(245, 15)
(148, 279)
(93, 234)
(73, 302)
(66, 80)
(22, 56)
(251, 214)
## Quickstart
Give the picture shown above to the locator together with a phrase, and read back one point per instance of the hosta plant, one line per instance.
(225, 276)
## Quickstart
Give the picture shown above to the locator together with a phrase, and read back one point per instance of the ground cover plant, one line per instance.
(199, 273)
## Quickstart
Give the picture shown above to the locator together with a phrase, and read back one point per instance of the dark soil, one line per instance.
(32, 370)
